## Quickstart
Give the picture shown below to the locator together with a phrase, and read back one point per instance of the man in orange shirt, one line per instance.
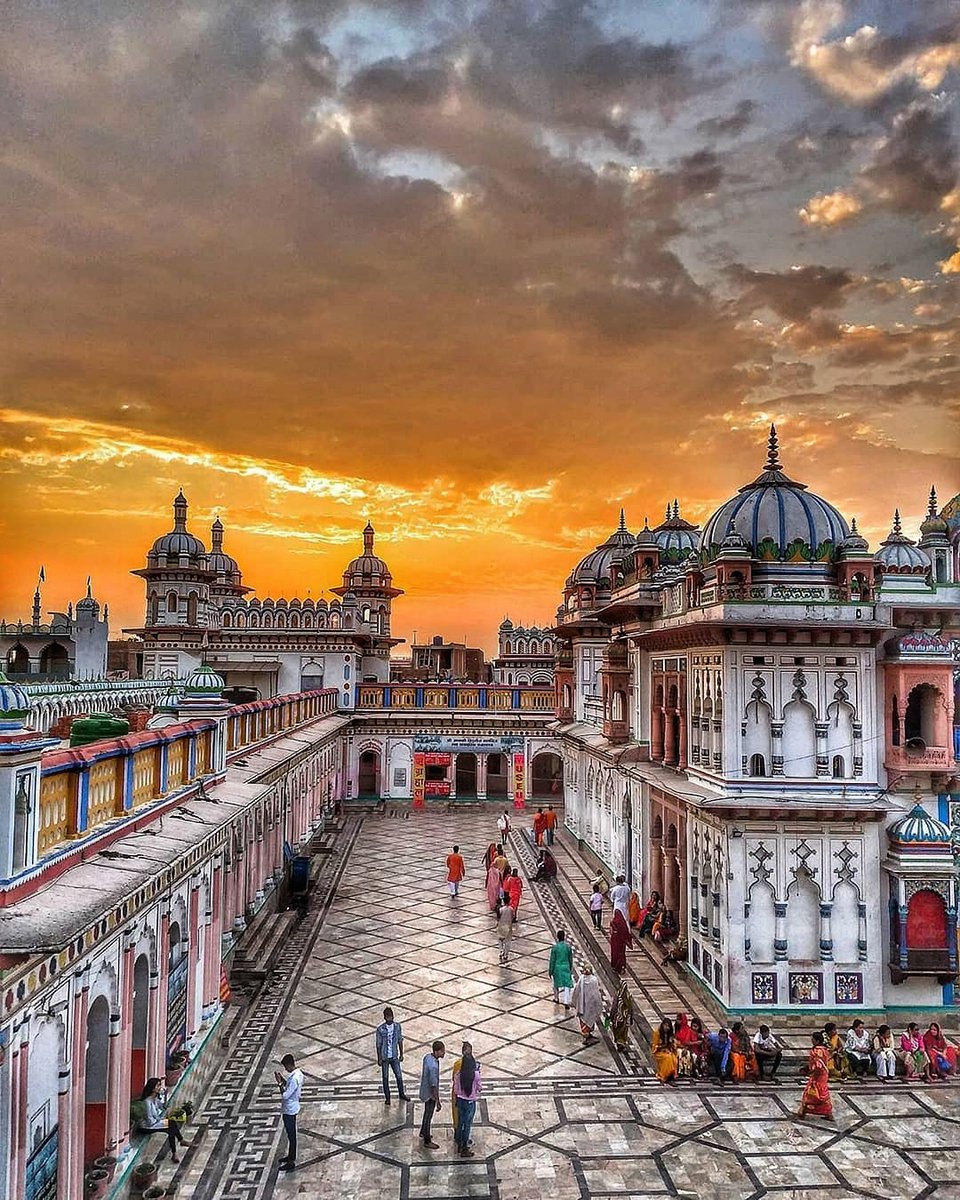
(550, 822)
(456, 870)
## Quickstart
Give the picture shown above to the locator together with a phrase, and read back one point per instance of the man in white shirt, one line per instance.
(620, 897)
(767, 1051)
(290, 1083)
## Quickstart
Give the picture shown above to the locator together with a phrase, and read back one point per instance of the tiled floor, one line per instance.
(556, 1120)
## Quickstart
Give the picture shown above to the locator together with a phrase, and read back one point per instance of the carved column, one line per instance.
(826, 935)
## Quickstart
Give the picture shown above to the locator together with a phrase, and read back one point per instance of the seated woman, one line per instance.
(942, 1056)
(884, 1055)
(916, 1062)
(154, 1120)
(741, 1053)
(691, 1046)
(663, 1046)
(838, 1067)
(664, 928)
(649, 914)
(546, 868)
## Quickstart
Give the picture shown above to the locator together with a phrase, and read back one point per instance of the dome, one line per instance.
(855, 542)
(204, 681)
(951, 513)
(367, 565)
(933, 524)
(222, 563)
(595, 567)
(179, 541)
(14, 701)
(778, 518)
(677, 538)
(646, 536)
(901, 554)
(919, 830)
(88, 604)
(506, 623)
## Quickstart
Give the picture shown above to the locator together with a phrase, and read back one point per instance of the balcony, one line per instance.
(444, 697)
(919, 757)
(940, 963)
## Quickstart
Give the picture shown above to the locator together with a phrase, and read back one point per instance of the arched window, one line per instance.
(171, 602)
(226, 620)
(758, 765)
(192, 607)
(919, 719)
(839, 767)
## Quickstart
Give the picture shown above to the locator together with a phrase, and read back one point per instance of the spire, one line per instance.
(368, 538)
(897, 530)
(676, 509)
(622, 527)
(773, 451)
(180, 511)
(853, 526)
(932, 506)
(646, 524)
(216, 535)
(89, 593)
(666, 515)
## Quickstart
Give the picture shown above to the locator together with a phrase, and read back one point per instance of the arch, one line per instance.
(54, 660)
(803, 919)
(308, 620)
(757, 766)
(368, 774)
(497, 775)
(294, 620)
(193, 608)
(762, 923)
(96, 1073)
(226, 619)
(281, 620)
(845, 922)
(153, 608)
(173, 602)
(619, 706)
(656, 833)
(919, 720)
(840, 717)
(18, 660)
(799, 740)
(267, 620)
(926, 921)
(757, 734)
(894, 721)
(241, 620)
(46, 1058)
(465, 774)
(141, 1009)
(546, 771)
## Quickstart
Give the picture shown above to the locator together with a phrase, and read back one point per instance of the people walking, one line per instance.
(621, 1017)
(503, 826)
(539, 827)
(596, 907)
(620, 897)
(587, 1002)
(513, 890)
(550, 824)
(816, 1095)
(466, 1092)
(620, 939)
(561, 970)
(290, 1083)
(389, 1042)
(430, 1092)
(494, 879)
(505, 922)
(456, 870)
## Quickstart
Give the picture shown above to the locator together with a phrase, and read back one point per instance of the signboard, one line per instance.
(437, 760)
(426, 743)
(419, 780)
(437, 787)
(177, 1005)
(519, 780)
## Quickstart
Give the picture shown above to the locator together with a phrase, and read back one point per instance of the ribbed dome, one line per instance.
(179, 540)
(204, 681)
(365, 567)
(933, 526)
(14, 701)
(646, 536)
(778, 518)
(900, 554)
(677, 538)
(219, 561)
(595, 568)
(918, 829)
(854, 542)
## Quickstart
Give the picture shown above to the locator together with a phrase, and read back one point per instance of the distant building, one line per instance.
(440, 660)
(525, 655)
(71, 645)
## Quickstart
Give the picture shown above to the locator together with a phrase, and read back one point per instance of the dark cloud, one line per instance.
(916, 165)
(793, 294)
(731, 123)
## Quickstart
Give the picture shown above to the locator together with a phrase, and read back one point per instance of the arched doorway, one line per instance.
(55, 661)
(18, 660)
(176, 990)
(95, 1080)
(141, 1011)
(368, 778)
(466, 775)
(497, 781)
(547, 775)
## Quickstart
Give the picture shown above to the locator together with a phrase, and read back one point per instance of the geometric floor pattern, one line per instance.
(556, 1120)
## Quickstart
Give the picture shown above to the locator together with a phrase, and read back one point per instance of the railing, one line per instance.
(459, 697)
(43, 687)
(90, 786)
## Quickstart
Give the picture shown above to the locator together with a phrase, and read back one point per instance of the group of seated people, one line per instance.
(686, 1048)
(856, 1053)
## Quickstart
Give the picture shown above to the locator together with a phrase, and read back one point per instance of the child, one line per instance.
(596, 907)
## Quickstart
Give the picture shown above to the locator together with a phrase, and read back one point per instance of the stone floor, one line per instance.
(556, 1120)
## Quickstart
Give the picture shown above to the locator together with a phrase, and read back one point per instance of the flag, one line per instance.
(43, 577)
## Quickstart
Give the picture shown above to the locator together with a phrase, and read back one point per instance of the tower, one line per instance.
(177, 576)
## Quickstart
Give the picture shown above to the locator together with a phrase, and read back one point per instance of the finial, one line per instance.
(666, 516)
(89, 593)
(897, 528)
(646, 524)
(773, 451)
(932, 507)
(622, 527)
(676, 509)
(853, 526)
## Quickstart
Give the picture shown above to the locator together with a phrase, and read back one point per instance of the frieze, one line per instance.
(940, 886)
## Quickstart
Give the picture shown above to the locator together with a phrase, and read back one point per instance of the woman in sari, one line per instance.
(588, 1002)
(943, 1057)
(838, 1067)
(649, 914)
(816, 1095)
(634, 910)
(664, 927)
(691, 1046)
(916, 1061)
(620, 939)
(489, 855)
(561, 970)
(663, 1046)
(621, 1017)
(493, 884)
(741, 1053)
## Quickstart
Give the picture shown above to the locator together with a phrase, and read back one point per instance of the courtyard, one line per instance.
(556, 1119)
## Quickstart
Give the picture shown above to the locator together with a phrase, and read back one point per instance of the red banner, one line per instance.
(438, 787)
(419, 780)
(519, 781)
(437, 760)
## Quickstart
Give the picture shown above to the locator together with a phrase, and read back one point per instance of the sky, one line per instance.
(481, 271)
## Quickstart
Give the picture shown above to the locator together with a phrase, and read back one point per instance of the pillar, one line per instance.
(669, 738)
(194, 951)
(656, 734)
(126, 1039)
(862, 932)
(19, 1066)
(66, 1145)
(114, 1116)
(682, 739)
(157, 1049)
(826, 935)
(81, 997)
(780, 931)
(482, 776)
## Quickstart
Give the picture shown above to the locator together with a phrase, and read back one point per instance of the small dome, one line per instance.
(595, 567)
(204, 681)
(14, 701)
(646, 536)
(933, 524)
(361, 571)
(506, 623)
(900, 554)
(179, 541)
(919, 830)
(677, 538)
(778, 518)
(854, 542)
(224, 564)
(88, 604)
(734, 544)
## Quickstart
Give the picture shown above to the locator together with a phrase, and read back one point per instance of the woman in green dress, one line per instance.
(561, 970)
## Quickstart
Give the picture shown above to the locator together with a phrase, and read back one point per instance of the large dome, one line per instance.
(179, 540)
(778, 518)
(595, 567)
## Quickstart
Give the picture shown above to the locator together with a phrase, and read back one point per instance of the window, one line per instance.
(171, 602)
(758, 765)
(839, 767)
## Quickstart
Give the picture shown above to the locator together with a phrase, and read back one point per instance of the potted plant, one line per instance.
(107, 1162)
(154, 1193)
(143, 1176)
(99, 1179)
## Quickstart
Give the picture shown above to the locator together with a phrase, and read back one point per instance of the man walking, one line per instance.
(389, 1038)
(430, 1092)
(290, 1083)
(550, 817)
(456, 869)
(620, 897)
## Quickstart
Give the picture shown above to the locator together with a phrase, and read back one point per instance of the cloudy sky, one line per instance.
(479, 271)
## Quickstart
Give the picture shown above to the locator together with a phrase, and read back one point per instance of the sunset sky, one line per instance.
(479, 272)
